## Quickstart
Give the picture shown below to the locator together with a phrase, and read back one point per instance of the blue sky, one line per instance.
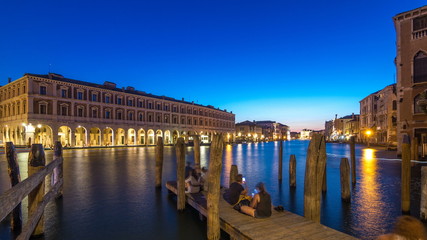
(295, 62)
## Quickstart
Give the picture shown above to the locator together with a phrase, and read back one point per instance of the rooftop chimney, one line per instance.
(9, 80)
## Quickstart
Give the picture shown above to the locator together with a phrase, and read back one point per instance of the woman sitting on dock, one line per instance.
(260, 205)
(192, 184)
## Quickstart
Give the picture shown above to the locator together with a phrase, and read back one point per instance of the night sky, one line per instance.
(295, 62)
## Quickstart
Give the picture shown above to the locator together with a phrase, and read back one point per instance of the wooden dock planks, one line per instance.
(281, 225)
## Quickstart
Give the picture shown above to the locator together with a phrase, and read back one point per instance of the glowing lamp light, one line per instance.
(368, 133)
(39, 125)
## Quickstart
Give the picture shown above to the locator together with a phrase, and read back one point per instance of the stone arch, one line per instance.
(131, 136)
(44, 135)
(64, 136)
(150, 137)
(95, 136)
(80, 137)
(141, 137)
(175, 136)
(120, 137)
(159, 133)
(108, 136)
(167, 139)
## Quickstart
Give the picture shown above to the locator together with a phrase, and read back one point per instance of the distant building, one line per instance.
(48, 108)
(305, 134)
(378, 116)
(295, 135)
(341, 129)
(248, 131)
(261, 130)
(411, 68)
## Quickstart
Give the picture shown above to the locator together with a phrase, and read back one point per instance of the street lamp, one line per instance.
(368, 134)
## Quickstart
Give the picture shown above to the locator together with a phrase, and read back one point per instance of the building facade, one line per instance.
(248, 131)
(261, 130)
(378, 117)
(341, 129)
(411, 68)
(48, 108)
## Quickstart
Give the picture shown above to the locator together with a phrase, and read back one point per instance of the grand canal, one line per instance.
(110, 194)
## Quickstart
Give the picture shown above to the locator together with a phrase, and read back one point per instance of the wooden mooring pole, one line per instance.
(353, 159)
(280, 160)
(292, 171)
(314, 172)
(423, 204)
(345, 179)
(159, 162)
(406, 174)
(324, 183)
(233, 173)
(15, 178)
(180, 173)
(215, 166)
(196, 141)
(58, 171)
(36, 162)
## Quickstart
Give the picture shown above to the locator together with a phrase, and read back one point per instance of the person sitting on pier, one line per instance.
(192, 184)
(236, 192)
(260, 205)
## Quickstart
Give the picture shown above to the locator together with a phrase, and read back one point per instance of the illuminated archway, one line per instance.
(95, 137)
(81, 137)
(120, 137)
(43, 135)
(108, 137)
(150, 139)
(64, 136)
(159, 133)
(141, 136)
(167, 139)
(175, 136)
(131, 136)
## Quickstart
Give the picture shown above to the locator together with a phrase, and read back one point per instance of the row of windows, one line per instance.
(130, 101)
(64, 110)
(12, 91)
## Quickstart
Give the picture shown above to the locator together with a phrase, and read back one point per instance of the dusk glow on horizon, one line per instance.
(297, 63)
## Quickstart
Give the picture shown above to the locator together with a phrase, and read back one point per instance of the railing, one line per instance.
(419, 34)
(33, 187)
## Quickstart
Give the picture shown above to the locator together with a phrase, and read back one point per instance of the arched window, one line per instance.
(420, 103)
(420, 67)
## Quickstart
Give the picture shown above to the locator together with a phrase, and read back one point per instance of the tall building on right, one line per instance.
(411, 69)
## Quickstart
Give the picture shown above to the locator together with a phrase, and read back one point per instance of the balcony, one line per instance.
(419, 34)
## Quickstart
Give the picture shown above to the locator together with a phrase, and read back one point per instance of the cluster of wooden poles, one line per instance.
(44, 183)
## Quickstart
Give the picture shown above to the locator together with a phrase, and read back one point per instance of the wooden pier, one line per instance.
(281, 225)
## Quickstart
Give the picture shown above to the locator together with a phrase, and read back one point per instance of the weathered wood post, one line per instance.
(280, 160)
(345, 179)
(292, 171)
(314, 171)
(36, 162)
(353, 159)
(215, 165)
(423, 204)
(59, 171)
(15, 178)
(233, 173)
(406, 174)
(159, 162)
(180, 173)
(196, 141)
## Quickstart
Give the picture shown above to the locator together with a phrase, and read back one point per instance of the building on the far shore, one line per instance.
(261, 130)
(305, 134)
(411, 68)
(341, 129)
(48, 108)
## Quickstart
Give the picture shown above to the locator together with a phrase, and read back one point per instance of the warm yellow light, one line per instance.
(23, 124)
(249, 135)
(39, 125)
(240, 134)
(368, 132)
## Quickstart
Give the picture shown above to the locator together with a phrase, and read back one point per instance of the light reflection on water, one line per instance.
(109, 193)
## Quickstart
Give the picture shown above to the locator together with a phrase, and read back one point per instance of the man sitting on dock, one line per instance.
(236, 190)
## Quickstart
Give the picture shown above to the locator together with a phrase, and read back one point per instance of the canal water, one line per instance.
(109, 193)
